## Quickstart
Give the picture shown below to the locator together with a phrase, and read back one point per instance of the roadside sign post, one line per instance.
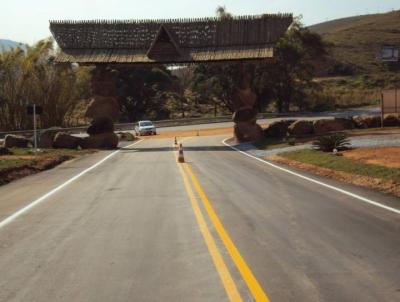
(34, 129)
(34, 110)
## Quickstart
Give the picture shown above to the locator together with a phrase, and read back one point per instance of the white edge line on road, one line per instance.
(34, 203)
(363, 199)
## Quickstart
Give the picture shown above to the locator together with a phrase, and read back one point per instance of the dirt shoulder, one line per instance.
(388, 156)
(22, 162)
(371, 157)
(190, 133)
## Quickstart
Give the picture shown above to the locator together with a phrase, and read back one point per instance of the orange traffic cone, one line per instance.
(181, 158)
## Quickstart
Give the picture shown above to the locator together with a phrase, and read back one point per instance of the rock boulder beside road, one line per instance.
(367, 121)
(46, 137)
(301, 128)
(16, 141)
(278, 129)
(100, 141)
(64, 140)
(391, 120)
(327, 125)
(101, 135)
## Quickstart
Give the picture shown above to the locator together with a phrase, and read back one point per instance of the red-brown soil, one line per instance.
(388, 156)
(385, 156)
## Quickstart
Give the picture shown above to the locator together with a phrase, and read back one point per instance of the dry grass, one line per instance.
(358, 40)
(385, 156)
(369, 167)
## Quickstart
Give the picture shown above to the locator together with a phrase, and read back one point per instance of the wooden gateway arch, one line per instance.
(177, 41)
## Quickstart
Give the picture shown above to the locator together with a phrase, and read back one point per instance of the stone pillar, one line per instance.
(103, 110)
(245, 110)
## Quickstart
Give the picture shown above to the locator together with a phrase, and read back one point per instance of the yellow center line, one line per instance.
(247, 275)
(224, 274)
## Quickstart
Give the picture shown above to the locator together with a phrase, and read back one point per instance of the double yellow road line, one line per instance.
(253, 285)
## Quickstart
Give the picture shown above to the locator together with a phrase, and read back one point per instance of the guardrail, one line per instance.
(159, 124)
(130, 126)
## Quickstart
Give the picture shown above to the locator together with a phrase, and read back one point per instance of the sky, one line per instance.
(27, 21)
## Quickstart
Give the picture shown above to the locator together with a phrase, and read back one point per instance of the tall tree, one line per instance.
(215, 83)
(143, 92)
(31, 76)
(282, 80)
(291, 72)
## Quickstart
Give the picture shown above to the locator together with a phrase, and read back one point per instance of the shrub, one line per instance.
(328, 143)
(4, 151)
(291, 141)
(341, 69)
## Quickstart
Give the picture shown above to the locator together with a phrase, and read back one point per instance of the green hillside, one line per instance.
(357, 41)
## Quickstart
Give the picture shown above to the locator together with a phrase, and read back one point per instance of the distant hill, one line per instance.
(8, 44)
(338, 24)
(357, 41)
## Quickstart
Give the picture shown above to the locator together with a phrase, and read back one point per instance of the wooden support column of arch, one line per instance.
(246, 109)
(103, 110)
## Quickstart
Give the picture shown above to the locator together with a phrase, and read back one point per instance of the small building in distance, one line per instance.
(390, 53)
(390, 56)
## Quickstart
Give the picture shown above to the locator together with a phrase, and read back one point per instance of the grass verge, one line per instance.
(274, 143)
(339, 163)
(348, 170)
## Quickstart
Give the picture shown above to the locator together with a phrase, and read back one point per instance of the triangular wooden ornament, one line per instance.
(163, 45)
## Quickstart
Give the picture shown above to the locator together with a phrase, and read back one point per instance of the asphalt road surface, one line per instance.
(222, 227)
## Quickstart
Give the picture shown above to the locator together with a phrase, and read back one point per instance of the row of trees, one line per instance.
(148, 93)
(31, 76)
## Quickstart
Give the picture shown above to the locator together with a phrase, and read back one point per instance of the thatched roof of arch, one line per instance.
(169, 41)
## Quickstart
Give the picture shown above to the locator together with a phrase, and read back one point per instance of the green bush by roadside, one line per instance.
(330, 142)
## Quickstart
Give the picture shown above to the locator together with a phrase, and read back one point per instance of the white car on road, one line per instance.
(145, 127)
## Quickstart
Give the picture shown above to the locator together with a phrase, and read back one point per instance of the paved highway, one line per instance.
(222, 227)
